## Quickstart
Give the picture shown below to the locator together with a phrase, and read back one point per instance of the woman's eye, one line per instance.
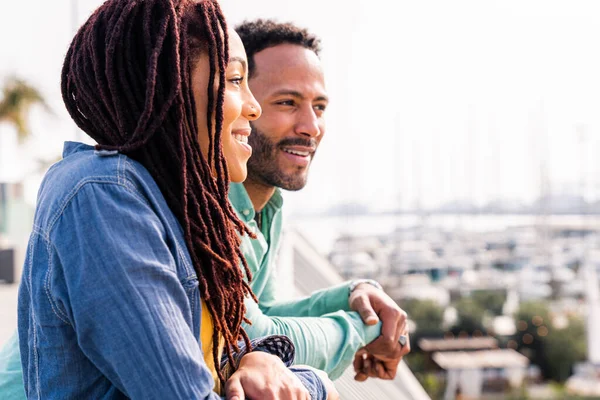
(237, 81)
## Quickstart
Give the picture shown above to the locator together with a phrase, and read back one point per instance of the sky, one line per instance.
(431, 101)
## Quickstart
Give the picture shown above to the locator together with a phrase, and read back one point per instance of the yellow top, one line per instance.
(206, 338)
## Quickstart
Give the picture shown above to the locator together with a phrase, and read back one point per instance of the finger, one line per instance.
(391, 367)
(406, 347)
(300, 393)
(393, 323)
(234, 389)
(380, 371)
(358, 362)
(391, 371)
(359, 365)
(333, 395)
(372, 371)
(401, 328)
(367, 363)
(364, 308)
(360, 377)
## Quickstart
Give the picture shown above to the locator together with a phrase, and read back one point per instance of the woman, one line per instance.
(134, 251)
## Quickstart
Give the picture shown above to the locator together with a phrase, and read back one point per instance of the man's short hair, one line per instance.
(261, 34)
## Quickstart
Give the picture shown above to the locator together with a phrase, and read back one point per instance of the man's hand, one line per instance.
(381, 357)
(264, 376)
(373, 305)
(376, 361)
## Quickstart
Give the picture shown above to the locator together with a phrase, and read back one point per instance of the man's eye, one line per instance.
(286, 102)
(321, 107)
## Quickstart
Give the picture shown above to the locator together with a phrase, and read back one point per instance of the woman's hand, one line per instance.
(264, 376)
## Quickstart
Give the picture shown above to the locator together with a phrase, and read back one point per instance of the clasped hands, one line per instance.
(381, 357)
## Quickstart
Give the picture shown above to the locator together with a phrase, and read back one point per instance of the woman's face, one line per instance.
(239, 108)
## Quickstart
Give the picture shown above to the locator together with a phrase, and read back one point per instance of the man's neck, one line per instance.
(259, 193)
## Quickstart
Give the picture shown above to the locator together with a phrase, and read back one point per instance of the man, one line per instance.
(286, 77)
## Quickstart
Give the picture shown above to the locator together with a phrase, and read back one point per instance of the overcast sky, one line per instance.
(431, 100)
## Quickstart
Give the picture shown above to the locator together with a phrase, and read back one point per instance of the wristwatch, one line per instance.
(357, 282)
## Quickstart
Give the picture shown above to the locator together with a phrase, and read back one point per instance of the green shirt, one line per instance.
(324, 330)
(11, 373)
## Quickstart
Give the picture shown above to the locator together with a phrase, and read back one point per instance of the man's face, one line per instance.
(288, 83)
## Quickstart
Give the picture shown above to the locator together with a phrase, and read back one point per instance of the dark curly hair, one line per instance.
(261, 34)
(126, 81)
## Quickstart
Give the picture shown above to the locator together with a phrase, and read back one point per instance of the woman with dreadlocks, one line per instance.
(132, 283)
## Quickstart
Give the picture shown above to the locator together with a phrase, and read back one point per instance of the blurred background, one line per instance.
(459, 168)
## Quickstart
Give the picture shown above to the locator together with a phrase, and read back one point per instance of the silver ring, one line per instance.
(402, 340)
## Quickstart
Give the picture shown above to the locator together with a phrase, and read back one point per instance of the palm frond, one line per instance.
(18, 97)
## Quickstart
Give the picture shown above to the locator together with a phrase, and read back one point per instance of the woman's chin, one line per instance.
(238, 175)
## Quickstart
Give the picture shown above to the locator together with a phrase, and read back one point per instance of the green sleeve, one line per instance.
(328, 342)
(11, 373)
(321, 302)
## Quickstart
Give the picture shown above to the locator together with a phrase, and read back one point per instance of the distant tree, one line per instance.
(433, 384)
(18, 97)
(470, 316)
(555, 351)
(427, 315)
(564, 348)
(529, 320)
(490, 300)
(15, 106)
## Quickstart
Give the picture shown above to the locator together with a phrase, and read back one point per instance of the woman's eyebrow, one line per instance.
(240, 60)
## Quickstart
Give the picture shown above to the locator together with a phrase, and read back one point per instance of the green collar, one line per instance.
(243, 205)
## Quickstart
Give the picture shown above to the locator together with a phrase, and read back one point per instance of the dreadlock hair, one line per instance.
(126, 81)
(261, 34)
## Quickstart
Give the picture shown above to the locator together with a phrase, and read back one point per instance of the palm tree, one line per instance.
(18, 97)
(15, 106)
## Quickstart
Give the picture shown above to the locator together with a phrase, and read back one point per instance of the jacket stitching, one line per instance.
(33, 322)
(73, 193)
(57, 311)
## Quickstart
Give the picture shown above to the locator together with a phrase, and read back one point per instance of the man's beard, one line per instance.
(263, 167)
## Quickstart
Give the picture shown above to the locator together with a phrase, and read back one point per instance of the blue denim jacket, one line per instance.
(109, 305)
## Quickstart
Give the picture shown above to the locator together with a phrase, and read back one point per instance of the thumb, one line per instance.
(234, 389)
(364, 308)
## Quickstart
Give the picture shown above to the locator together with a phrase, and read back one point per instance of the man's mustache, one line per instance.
(310, 143)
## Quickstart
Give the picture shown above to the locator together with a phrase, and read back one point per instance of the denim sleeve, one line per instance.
(129, 310)
(312, 382)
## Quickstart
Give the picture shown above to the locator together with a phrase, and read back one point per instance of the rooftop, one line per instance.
(498, 358)
(480, 343)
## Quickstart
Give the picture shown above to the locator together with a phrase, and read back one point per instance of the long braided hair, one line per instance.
(126, 81)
